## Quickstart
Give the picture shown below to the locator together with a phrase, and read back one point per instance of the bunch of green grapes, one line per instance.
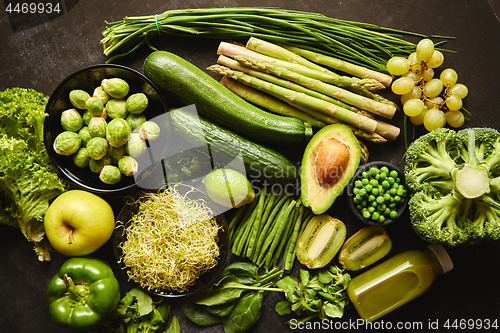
(426, 99)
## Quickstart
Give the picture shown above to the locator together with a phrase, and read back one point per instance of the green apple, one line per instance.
(78, 223)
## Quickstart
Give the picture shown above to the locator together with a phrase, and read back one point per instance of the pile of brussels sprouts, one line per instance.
(106, 131)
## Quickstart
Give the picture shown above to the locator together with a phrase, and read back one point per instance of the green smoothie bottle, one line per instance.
(397, 281)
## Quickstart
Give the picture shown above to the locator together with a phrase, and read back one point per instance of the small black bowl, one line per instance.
(206, 279)
(88, 79)
(358, 175)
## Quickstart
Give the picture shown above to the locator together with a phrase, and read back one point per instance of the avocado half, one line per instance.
(329, 162)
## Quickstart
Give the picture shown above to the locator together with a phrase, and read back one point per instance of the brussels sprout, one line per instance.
(84, 135)
(110, 174)
(117, 132)
(94, 106)
(97, 127)
(136, 120)
(136, 146)
(116, 153)
(115, 87)
(67, 143)
(101, 94)
(97, 147)
(86, 117)
(78, 98)
(97, 165)
(149, 130)
(81, 158)
(71, 120)
(116, 108)
(128, 165)
(136, 103)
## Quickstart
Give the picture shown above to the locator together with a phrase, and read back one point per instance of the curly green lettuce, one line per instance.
(28, 180)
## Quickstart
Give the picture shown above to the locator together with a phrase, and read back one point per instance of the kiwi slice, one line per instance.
(365, 247)
(320, 241)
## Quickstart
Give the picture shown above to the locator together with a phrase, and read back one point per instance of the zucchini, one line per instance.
(259, 161)
(190, 85)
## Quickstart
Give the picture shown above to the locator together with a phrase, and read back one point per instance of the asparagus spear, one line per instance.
(314, 117)
(281, 53)
(231, 63)
(268, 102)
(341, 65)
(361, 86)
(349, 117)
(346, 96)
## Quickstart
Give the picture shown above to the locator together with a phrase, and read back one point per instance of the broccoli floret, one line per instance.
(455, 188)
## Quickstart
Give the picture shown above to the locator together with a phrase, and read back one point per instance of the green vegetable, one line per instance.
(216, 103)
(135, 146)
(135, 120)
(78, 98)
(260, 162)
(118, 132)
(137, 103)
(128, 166)
(71, 120)
(97, 147)
(358, 42)
(322, 295)
(67, 143)
(116, 108)
(115, 87)
(454, 182)
(149, 130)
(28, 180)
(97, 127)
(379, 193)
(116, 153)
(81, 158)
(82, 293)
(84, 135)
(110, 174)
(101, 94)
(95, 106)
(97, 165)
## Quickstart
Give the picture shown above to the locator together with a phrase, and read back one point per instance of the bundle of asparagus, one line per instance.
(293, 82)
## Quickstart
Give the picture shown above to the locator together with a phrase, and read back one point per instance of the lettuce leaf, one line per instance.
(28, 180)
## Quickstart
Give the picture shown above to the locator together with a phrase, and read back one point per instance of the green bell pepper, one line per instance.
(82, 293)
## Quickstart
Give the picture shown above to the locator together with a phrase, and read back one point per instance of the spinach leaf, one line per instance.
(245, 314)
(198, 314)
(174, 327)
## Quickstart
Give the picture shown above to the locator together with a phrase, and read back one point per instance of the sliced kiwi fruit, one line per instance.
(320, 241)
(365, 247)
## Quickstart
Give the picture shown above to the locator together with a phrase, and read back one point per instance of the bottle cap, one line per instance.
(442, 256)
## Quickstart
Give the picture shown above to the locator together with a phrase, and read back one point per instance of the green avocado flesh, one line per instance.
(317, 190)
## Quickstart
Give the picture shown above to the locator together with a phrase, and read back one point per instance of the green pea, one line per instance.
(371, 198)
(375, 191)
(386, 184)
(367, 215)
(393, 173)
(393, 191)
(381, 219)
(375, 216)
(374, 171)
(387, 211)
(373, 182)
(358, 183)
(368, 188)
(393, 214)
(371, 209)
(384, 169)
(362, 192)
(380, 200)
(365, 174)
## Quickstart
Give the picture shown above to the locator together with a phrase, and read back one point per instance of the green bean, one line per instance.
(235, 219)
(248, 227)
(268, 223)
(250, 240)
(286, 234)
(289, 255)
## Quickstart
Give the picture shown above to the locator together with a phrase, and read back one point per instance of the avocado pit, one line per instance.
(332, 159)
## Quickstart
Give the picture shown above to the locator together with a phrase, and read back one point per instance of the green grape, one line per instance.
(435, 102)
(425, 49)
(414, 76)
(398, 65)
(455, 118)
(434, 118)
(449, 77)
(436, 60)
(414, 93)
(453, 103)
(433, 88)
(459, 90)
(419, 120)
(413, 107)
(428, 74)
(402, 86)
(415, 64)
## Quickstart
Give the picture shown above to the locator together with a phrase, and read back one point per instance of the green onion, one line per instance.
(360, 43)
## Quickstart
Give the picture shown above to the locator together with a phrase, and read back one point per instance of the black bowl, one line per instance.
(88, 79)
(206, 279)
(358, 175)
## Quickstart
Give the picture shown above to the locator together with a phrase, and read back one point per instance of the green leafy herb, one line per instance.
(322, 295)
